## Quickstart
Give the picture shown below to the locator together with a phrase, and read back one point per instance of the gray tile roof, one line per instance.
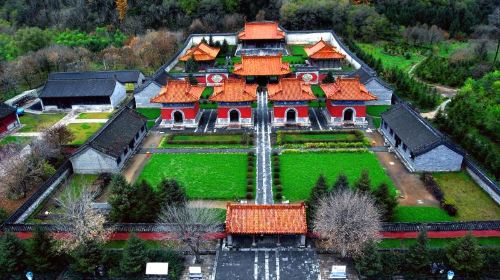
(6, 110)
(78, 88)
(123, 76)
(413, 130)
(117, 133)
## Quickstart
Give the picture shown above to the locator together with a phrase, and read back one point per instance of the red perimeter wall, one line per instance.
(189, 113)
(336, 110)
(302, 110)
(245, 111)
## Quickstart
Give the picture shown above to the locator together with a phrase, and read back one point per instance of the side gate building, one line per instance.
(417, 143)
(110, 147)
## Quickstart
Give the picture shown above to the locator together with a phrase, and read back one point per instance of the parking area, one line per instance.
(268, 264)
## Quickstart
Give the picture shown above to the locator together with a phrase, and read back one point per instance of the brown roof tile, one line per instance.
(234, 90)
(347, 89)
(261, 66)
(323, 50)
(290, 89)
(178, 91)
(201, 52)
(266, 219)
(266, 30)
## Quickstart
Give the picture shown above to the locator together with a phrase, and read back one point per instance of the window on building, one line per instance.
(404, 147)
(118, 160)
(391, 131)
(385, 125)
(142, 128)
(125, 151)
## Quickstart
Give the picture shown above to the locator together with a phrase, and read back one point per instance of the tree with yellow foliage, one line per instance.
(121, 7)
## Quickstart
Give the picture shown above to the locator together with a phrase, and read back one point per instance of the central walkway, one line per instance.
(264, 192)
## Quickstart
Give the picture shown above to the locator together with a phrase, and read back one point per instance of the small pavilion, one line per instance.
(203, 54)
(290, 98)
(271, 220)
(324, 55)
(179, 104)
(346, 102)
(262, 69)
(261, 38)
(234, 98)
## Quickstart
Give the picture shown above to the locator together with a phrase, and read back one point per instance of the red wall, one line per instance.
(302, 110)
(336, 110)
(223, 112)
(189, 113)
(5, 122)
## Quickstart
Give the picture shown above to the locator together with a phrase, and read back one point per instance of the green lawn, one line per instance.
(207, 92)
(388, 60)
(374, 111)
(471, 201)
(101, 115)
(83, 131)
(318, 91)
(211, 105)
(37, 123)
(203, 141)
(297, 50)
(434, 242)
(150, 113)
(205, 176)
(293, 59)
(299, 171)
(20, 140)
(446, 49)
(421, 214)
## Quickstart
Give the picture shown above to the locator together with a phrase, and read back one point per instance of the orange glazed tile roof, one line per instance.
(177, 91)
(290, 89)
(264, 30)
(266, 219)
(261, 66)
(234, 90)
(323, 50)
(201, 52)
(347, 89)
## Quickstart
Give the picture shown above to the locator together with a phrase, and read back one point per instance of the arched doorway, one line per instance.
(291, 116)
(234, 116)
(348, 114)
(178, 117)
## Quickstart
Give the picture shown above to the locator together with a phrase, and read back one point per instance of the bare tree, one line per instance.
(86, 223)
(347, 221)
(21, 173)
(58, 135)
(191, 224)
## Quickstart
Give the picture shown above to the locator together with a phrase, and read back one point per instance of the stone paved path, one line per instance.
(264, 192)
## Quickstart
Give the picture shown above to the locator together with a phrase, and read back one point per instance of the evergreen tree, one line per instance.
(370, 263)
(210, 41)
(417, 258)
(329, 78)
(145, 212)
(203, 40)
(86, 257)
(363, 184)
(135, 256)
(42, 252)
(224, 48)
(192, 80)
(191, 67)
(172, 193)
(465, 256)
(12, 256)
(319, 190)
(386, 202)
(121, 199)
(341, 183)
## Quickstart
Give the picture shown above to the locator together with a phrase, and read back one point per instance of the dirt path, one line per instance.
(445, 91)
(138, 161)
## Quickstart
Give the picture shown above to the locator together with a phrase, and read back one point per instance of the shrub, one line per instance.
(250, 174)
(450, 209)
(276, 169)
(278, 196)
(249, 195)
(432, 186)
(279, 188)
(249, 181)
(277, 181)
(250, 188)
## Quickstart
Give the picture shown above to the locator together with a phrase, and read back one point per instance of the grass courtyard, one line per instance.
(149, 113)
(37, 123)
(421, 214)
(389, 60)
(471, 201)
(83, 131)
(100, 115)
(204, 141)
(375, 111)
(299, 171)
(19, 140)
(205, 176)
